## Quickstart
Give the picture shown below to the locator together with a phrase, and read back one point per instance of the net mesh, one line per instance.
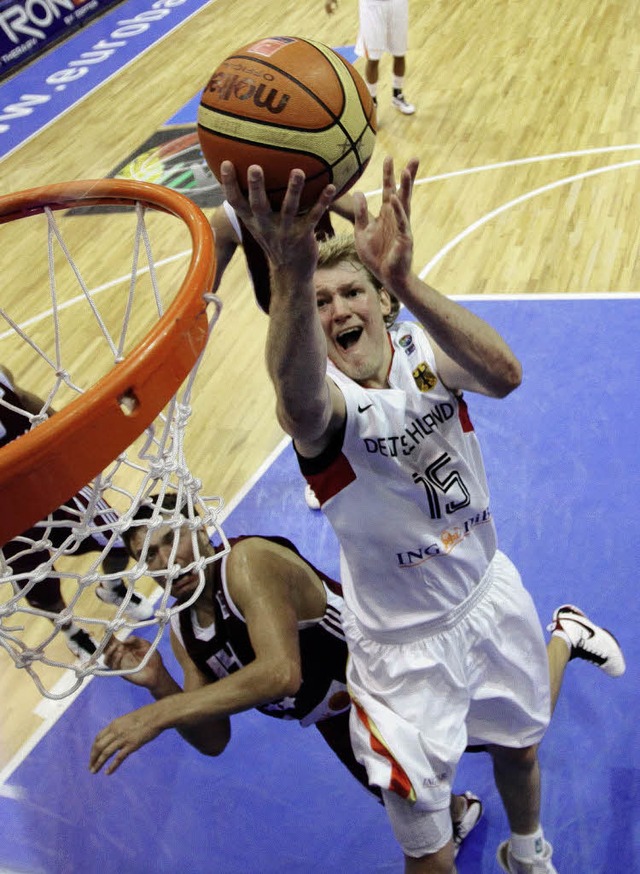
(49, 575)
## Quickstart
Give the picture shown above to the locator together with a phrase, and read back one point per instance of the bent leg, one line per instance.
(426, 837)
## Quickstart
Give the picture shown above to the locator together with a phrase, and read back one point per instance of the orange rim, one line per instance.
(42, 469)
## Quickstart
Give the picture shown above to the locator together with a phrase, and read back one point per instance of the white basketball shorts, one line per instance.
(384, 27)
(481, 680)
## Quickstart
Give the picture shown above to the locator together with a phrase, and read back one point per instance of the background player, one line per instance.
(266, 632)
(384, 29)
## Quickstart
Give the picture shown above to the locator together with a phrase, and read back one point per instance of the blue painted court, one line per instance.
(562, 459)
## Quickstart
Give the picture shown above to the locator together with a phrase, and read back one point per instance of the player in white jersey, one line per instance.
(445, 643)
(384, 29)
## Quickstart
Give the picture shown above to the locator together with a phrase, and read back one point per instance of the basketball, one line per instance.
(284, 103)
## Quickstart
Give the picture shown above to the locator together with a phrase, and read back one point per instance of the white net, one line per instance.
(50, 574)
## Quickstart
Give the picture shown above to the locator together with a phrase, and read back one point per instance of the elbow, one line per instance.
(212, 750)
(286, 680)
(510, 379)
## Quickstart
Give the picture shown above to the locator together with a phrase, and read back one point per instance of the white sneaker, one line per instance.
(139, 608)
(463, 827)
(588, 640)
(80, 642)
(402, 104)
(310, 497)
(511, 865)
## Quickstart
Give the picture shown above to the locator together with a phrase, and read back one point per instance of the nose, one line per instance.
(340, 308)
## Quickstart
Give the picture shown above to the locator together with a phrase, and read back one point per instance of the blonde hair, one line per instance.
(342, 247)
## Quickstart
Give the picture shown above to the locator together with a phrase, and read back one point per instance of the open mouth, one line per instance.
(349, 338)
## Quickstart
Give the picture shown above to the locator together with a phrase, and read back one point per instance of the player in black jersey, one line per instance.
(19, 409)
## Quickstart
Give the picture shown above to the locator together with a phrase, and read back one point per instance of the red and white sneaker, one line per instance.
(588, 640)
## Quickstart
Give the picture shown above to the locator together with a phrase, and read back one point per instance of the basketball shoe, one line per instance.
(463, 827)
(139, 608)
(80, 642)
(587, 640)
(402, 104)
(511, 865)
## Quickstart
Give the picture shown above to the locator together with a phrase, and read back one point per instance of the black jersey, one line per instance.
(13, 423)
(224, 647)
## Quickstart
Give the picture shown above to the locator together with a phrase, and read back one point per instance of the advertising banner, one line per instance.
(29, 27)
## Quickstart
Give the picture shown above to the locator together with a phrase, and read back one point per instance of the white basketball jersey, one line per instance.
(407, 495)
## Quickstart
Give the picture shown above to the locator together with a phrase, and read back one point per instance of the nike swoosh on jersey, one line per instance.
(362, 409)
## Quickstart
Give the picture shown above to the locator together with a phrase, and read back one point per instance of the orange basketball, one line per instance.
(284, 103)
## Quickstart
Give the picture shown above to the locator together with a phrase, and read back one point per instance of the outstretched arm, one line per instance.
(470, 354)
(310, 408)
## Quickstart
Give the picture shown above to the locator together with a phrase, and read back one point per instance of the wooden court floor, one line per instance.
(526, 128)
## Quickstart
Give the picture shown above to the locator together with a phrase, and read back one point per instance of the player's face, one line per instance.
(158, 555)
(352, 314)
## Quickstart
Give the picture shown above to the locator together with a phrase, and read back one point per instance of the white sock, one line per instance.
(527, 846)
(373, 88)
(398, 82)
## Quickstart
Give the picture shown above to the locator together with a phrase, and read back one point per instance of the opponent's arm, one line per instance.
(30, 402)
(226, 243)
(201, 712)
(129, 732)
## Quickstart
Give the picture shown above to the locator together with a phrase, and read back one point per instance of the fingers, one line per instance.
(106, 745)
(322, 204)
(229, 182)
(407, 180)
(360, 211)
(114, 653)
(125, 654)
(388, 179)
(291, 202)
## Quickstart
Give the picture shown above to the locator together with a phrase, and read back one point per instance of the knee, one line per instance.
(523, 759)
(440, 862)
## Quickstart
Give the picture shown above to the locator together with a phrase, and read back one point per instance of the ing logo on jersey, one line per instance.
(425, 378)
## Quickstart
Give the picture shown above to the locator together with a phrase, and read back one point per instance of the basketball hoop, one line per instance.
(40, 471)
(142, 398)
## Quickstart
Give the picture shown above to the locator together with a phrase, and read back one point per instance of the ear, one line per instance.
(385, 301)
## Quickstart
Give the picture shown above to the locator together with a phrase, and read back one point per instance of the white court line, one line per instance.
(518, 162)
(52, 710)
(452, 174)
(543, 189)
(46, 314)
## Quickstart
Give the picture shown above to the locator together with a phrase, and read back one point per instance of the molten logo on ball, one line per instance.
(224, 87)
(297, 105)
